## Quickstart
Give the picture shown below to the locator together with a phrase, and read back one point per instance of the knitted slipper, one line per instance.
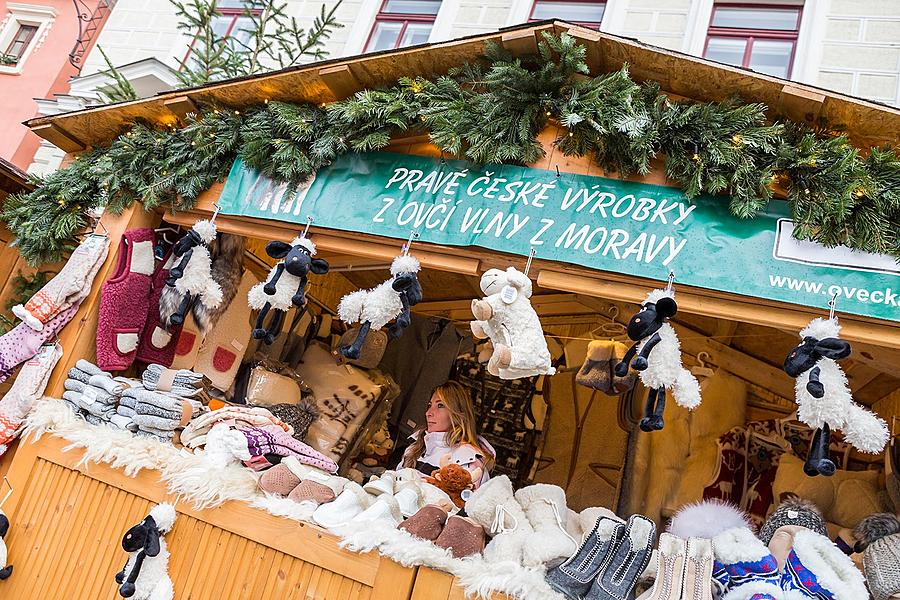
(426, 524)
(279, 480)
(312, 491)
(462, 536)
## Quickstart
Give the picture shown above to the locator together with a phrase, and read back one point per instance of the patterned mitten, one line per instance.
(816, 568)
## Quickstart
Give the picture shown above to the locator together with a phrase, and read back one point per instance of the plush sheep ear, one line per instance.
(517, 279)
(666, 307)
(151, 544)
(833, 348)
(278, 249)
(319, 266)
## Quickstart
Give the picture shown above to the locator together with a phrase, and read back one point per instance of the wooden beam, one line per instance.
(181, 106)
(59, 137)
(340, 80)
(725, 331)
(800, 104)
(747, 310)
(520, 42)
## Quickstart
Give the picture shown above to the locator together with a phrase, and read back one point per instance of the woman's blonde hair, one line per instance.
(462, 425)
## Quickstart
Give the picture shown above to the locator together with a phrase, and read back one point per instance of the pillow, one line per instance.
(845, 499)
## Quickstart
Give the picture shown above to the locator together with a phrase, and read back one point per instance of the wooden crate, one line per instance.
(67, 523)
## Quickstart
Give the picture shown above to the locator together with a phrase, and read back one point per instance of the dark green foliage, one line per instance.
(121, 89)
(489, 111)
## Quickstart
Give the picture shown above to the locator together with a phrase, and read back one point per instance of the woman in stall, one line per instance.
(450, 434)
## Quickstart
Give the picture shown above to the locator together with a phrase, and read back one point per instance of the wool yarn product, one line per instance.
(28, 387)
(22, 342)
(183, 382)
(70, 286)
(125, 301)
(157, 345)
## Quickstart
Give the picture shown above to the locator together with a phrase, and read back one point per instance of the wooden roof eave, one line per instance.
(867, 123)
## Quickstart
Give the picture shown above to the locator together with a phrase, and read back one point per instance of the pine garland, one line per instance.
(489, 111)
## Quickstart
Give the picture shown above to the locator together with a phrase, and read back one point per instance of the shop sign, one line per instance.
(596, 222)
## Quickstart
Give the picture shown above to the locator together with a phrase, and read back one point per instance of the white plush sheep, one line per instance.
(286, 285)
(390, 300)
(824, 400)
(505, 315)
(658, 359)
(146, 574)
(191, 279)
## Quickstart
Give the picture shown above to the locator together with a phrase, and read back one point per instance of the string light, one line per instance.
(737, 139)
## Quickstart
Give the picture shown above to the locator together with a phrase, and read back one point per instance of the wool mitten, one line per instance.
(596, 372)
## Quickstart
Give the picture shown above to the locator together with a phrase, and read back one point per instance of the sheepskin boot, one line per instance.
(381, 485)
(384, 508)
(670, 565)
(576, 575)
(495, 508)
(816, 568)
(352, 501)
(545, 506)
(619, 575)
(698, 568)
(744, 566)
(409, 497)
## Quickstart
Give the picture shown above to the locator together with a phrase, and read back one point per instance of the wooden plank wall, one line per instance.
(67, 522)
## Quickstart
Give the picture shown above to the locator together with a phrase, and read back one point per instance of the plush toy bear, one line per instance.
(506, 316)
(452, 479)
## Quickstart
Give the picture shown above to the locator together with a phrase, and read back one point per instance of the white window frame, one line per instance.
(520, 12)
(25, 14)
(808, 54)
(361, 30)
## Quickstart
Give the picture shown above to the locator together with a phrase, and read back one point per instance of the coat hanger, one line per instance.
(8, 493)
(611, 329)
(702, 370)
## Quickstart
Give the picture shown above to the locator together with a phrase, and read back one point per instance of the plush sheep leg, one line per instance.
(120, 576)
(128, 588)
(271, 284)
(814, 386)
(299, 297)
(178, 317)
(818, 463)
(642, 361)
(653, 410)
(482, 310)
(178, 270)
(259, 331)
(6, 572)
(403, 320)
(274, 327)
(621, 369)
(354, 349)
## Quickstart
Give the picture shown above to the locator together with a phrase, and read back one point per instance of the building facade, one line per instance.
(42, 45)
(850, 46)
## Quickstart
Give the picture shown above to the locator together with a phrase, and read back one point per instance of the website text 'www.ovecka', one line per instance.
(886, 296)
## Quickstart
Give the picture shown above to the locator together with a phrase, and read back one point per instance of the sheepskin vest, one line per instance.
(125, 301)
(156, 344)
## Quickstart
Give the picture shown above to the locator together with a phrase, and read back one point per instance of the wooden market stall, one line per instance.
(68, 517)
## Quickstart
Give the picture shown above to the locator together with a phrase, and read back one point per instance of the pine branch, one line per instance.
(122, 89)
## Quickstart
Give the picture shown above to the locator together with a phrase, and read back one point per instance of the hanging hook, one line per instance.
(216, 210)
(702, 357)
(414, 235)
(670, 281)
(443, 161)
(9, 493)
(309, 220)
(528, 262)
(613, 312)
(557, 172)
(831, 304)
(99, 223)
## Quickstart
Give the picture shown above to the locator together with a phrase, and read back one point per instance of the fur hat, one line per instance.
(300, 416)
(405, 263)
(707, 519)
(793, 511)
(874, 527)
(881, 535)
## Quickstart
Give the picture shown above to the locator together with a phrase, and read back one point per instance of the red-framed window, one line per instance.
(760, 37)
(588, 13)
(402, 23)
(19, 43)
(234, 20)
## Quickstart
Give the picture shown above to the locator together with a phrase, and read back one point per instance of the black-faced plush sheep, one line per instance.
(658, 359)
(191, 278)
(146, 574)
(286, 285)
(390, 300)
(5, 569)
(824, 401)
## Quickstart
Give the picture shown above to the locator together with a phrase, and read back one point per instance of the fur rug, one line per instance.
(189, 476)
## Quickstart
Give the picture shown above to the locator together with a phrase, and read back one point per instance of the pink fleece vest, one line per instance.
(125, 301)
(158, 345)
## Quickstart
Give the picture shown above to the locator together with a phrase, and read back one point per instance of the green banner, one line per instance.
(600, 223)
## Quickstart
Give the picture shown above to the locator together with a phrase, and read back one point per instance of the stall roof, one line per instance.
(867, 123)
(12, 178)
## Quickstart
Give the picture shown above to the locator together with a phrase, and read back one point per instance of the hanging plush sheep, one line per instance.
(377, 307)
(505, 315)
(658, 359)
(286, 285)
(5, 569)
(823, 396)
(191, 279)
(146, 574)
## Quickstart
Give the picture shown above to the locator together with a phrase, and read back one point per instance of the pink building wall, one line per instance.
(44, 72)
